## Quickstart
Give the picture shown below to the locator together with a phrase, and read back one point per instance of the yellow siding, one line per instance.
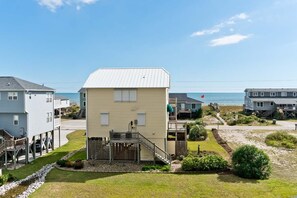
(151, 101)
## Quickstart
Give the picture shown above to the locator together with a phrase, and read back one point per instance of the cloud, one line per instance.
(217, 28)
(228, 40)
(53, 5)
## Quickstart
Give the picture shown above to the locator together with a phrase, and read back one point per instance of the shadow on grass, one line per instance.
(57, 175)
(230, 178)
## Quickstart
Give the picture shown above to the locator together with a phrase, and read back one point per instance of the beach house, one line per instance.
(186, 107)
(126, 113)
(267, 101)
(26, 114)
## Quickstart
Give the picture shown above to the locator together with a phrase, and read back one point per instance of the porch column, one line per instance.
(34, 147)
(41, 144)
(27, 150)
(53, 140)
(59, 136)
(46, 142)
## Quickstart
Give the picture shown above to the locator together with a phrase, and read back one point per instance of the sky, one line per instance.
(206, 46)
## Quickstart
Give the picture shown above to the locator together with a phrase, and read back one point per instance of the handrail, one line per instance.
(155, 148)
(157, 151)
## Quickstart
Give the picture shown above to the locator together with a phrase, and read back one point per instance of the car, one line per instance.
(38, 144)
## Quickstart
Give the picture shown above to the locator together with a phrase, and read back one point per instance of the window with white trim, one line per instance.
(49, 117)
(84, 103)
(141, 118)
(272, 94)
(260, 104)
(104, 119)
(15, 120)
(12, 96)
(262, 94)
(49, 97)
(294, 94)
(125, 95)
(255, 93)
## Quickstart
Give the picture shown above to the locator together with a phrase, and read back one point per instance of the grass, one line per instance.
(82, 184)
(281, 139)
(210, 144)
(76, 141)
(80, 155)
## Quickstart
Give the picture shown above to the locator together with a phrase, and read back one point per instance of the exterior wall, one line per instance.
(82, 100)
(152, 102)
(58, 103)
(266, 106)
(6, 123)
(188, 106)
(37, 108)
(12, 106)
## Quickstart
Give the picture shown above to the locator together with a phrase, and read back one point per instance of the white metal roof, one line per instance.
(128, 78)
(276, 100)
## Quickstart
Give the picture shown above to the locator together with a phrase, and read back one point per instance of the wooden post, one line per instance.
(6, 158)
(46, 142)
(41, 144)
(13, 159)
(138, 153)
(53, 140)
(110, 152)
(27, 150)
(34, 147)
(59, 136)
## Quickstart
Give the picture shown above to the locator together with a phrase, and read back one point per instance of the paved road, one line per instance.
(68, 126)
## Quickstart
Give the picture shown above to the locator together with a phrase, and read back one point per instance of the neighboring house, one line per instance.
(127, 115)
(185, 105)
(265, 102)
(61, 106)
(82, 103)
(26, 112)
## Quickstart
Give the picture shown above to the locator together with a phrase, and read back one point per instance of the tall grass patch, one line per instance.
(281, 139)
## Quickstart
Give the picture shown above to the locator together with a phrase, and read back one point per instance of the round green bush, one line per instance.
(251, 162)
(197, 132)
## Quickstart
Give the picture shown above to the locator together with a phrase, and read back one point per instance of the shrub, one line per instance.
(251, 162)
(156, 167)
(281, 139)
(197, 114)
(204, 163)
(197, 132)
(69, 164)
(78, 164)
(6, 178)
(61, 163)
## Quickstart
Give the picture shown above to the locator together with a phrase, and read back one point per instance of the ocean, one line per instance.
(220, 98)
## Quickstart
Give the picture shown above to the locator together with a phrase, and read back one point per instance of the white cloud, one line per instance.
(228, 40)
(217, 28)
(52, 5)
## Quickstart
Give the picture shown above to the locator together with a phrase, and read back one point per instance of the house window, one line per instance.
(104, 119)
(284, 94)
(12, 95)
(49, 117)
(272, 94)
(15, 120)
(294, 94)
(125, 95)
(260, 104)
(141, 117)
(255, 93)
(193, 106)
(84, 95)
(49, 97)
(262, 94)
(84, 104)
(272, 103)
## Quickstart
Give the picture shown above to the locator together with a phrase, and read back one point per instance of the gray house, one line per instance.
(184, 105)
(82, 104)
(26, 114)
(265, 102)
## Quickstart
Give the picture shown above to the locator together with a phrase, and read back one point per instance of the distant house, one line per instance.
(61, 105)
(266, 101)
(126, 111)
(185, 106)
(26, 114)
(82, 103)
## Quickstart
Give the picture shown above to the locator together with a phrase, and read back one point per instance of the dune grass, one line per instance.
(82, 184)
(281, 139)
(210, 144)
(76, 141)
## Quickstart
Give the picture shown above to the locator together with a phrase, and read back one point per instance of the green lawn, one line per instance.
(79, 184)
(210, 144)
(80, 155)
(76, 141)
